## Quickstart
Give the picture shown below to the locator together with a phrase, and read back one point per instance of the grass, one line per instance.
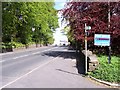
(107, 72)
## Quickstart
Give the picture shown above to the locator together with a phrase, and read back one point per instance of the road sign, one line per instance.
(87, 27)
(102, 39)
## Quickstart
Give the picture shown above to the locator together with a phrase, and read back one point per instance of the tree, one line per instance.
(94, 14)
(20, 17)
(9, 21)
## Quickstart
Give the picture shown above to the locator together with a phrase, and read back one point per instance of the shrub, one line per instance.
(12, 45)
(108, 72)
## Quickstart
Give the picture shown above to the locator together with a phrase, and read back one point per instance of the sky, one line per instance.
(59, 4)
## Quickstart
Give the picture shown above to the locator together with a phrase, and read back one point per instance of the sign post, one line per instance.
(86, 28)
(103, 40)
(109, 55)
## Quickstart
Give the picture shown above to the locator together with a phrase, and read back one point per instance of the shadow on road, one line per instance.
(70, 54)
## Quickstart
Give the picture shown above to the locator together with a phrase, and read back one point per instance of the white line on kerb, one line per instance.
(27, 73)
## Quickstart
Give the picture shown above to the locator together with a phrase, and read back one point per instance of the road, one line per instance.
(17, 64)
(51, 67)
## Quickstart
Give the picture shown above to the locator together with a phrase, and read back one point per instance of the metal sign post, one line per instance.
(103, 40)
(85, 49)
(109, 55)
(86, 28)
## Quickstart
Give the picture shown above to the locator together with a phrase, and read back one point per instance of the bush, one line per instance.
(12, 45)
(108, 72)
(16, 44)
(31, 43)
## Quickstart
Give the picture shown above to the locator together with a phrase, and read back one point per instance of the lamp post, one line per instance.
(86, 28)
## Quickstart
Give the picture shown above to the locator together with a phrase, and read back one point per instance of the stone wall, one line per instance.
(92, 60)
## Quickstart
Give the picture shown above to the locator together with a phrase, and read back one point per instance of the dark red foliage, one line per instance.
(94, 14)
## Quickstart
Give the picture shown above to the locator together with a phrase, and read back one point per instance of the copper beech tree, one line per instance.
(94, 14)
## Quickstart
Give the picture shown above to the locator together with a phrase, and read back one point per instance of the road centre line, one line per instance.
(28, 73)
(28, 55)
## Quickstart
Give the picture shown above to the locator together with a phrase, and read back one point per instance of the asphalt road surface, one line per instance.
(45, 67)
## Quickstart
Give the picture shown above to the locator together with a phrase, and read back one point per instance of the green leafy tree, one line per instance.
(20, 17)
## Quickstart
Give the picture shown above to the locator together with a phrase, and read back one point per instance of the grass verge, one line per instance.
(107, 72)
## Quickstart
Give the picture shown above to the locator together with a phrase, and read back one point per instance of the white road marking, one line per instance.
(27, 73)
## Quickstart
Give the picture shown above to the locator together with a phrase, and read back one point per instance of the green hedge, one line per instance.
(107, 72)
(12, 45)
